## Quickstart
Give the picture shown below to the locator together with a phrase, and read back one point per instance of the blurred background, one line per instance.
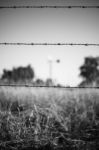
(50, 65)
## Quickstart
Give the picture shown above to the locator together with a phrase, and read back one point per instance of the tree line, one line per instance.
(89, 72)
(23, 75)
(19, 74)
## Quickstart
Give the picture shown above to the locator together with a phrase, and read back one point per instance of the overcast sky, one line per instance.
(49, 25)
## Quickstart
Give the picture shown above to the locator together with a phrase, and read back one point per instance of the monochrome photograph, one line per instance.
(49, 74)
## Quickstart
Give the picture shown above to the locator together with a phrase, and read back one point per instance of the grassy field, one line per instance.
(49, 118)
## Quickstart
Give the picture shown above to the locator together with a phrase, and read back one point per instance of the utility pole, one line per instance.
(50, 67)
(50, 61)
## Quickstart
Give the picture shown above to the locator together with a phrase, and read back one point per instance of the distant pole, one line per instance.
(50, 61)
(50, 67)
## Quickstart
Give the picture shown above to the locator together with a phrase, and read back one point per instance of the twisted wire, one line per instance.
(47, 6)
(47, 44)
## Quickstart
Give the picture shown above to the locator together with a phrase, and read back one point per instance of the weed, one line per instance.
(49, 119)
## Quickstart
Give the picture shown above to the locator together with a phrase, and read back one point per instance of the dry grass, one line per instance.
(43, 118)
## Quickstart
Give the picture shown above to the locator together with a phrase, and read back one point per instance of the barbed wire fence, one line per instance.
(46, 43)
(53, 44)
(54, 87)
(47, 6)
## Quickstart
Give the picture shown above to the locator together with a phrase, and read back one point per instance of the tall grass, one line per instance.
(43, 118)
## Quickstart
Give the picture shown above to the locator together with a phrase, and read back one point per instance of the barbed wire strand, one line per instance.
(53, 44)
(67, 7)
(38, 86)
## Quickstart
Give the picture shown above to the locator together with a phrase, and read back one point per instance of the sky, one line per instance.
(49, 25)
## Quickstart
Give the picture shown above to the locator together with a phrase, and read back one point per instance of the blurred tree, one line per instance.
(18, 74)
(49, 82)
(59, 85)
(6, 75)
(89, 71)
(39, 82)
